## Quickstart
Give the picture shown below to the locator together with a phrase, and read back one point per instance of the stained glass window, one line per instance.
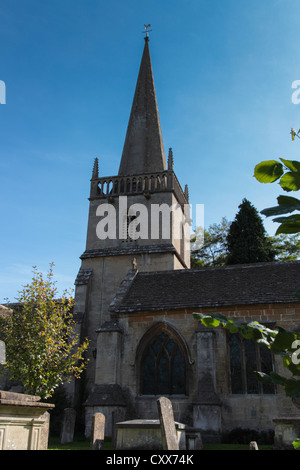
(163, 368)
(245, 358)
(236, 364)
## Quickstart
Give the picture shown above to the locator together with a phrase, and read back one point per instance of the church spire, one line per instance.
(143, 150)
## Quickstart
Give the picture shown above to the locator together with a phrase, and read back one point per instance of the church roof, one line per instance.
(258, 283)
(143, 150)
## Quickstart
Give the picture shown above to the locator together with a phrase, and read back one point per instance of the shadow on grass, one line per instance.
(81, 443)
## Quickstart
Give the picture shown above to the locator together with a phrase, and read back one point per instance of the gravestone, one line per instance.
(2, 352)
(24, 422)
(166, 417)
(68, 426)
(98, 427)
(287, 430)
(4, 314)
(145, 434)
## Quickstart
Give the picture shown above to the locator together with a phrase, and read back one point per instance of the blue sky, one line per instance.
(223, 72)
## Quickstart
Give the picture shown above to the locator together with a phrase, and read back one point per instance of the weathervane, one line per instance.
(147, 26)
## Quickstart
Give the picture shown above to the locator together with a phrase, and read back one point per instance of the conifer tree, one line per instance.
(247, 240)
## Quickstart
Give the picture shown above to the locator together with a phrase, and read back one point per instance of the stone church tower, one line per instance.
(135, 298)
(147, 209)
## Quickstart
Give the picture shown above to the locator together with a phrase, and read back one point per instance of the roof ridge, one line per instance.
(217, 268)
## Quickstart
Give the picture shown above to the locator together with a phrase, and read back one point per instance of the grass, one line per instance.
(81, 443)
(233, 447)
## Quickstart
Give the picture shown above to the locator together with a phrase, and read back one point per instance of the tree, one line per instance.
(247, 240)
(213, 248)
(42, 348)
(280, 341)
(209, 247)
(286, 246)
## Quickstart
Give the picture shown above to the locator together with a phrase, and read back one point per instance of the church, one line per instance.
(135, 295)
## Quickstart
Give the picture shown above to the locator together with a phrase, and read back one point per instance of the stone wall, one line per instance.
(246, 410)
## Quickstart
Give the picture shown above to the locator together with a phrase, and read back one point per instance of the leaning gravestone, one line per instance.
(68, 426)
(98, 429)
(166, 417)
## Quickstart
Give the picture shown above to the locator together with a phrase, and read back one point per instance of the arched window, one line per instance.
(163, 364)
(245, 358)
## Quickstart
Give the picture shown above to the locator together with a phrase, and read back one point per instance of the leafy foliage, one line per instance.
(42, 348)
(280, 341)
(286, 246)
(287, 173)
(296, 444)
(210, 248)
(247, 240)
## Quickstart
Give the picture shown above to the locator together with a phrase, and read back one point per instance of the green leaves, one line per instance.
(289, 174)
(272, 378)
(42, 348)
(268, 171)
(283, 341)
(252, 330)
(214, 320)
(290, 181)
(271, 170)
(286, 204)
(296, 444)
(294, 133)
(293, 165)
